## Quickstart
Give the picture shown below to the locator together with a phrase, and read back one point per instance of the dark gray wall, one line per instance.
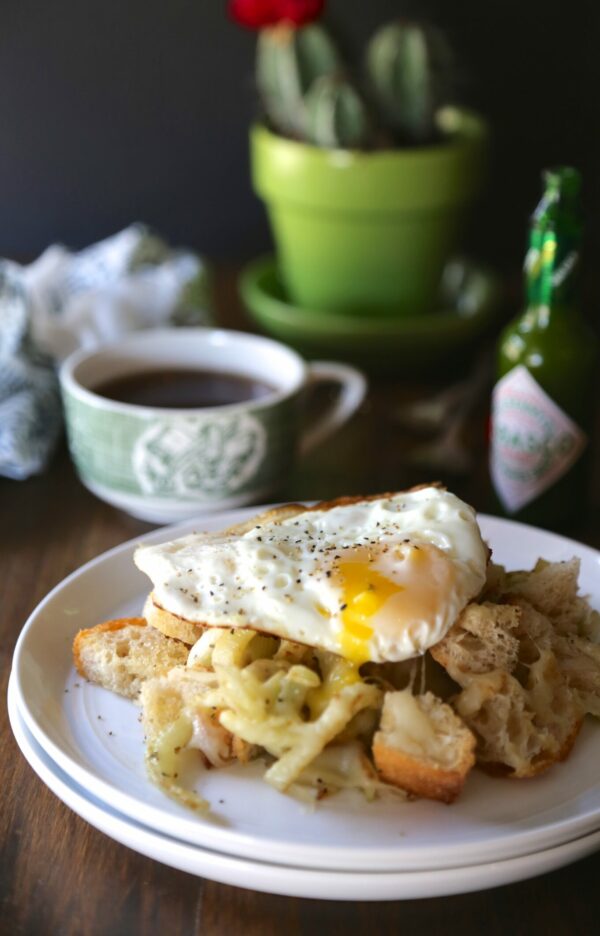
(137, 109)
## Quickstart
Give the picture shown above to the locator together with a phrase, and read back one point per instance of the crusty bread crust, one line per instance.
(420, 777)
(82, 636)
(430, 773)
(348, 499)
(495, 769)
(121, 654)
(169, 624)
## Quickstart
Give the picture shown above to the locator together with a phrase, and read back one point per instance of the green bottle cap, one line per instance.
(552, 259)
(562, 181)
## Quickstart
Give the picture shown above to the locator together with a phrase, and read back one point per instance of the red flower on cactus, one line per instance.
(254, 14)
(299, 11)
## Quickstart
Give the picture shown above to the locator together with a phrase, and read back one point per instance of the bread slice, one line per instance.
(482, 640)
(521, 730)
(119, 655)
(551, 588)
(171, 625)
(528, 670)
(535, 631)
(579, 660)
(422, 746)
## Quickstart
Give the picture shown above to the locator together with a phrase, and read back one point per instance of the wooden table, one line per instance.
(59, 876)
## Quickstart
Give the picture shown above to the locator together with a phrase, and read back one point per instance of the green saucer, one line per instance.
(469, 303)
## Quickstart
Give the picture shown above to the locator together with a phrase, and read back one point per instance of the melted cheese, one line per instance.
(406, 726)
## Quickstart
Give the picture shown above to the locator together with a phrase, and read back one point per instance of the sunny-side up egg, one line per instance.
(376, 580)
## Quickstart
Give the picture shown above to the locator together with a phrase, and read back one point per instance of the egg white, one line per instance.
(374, 580)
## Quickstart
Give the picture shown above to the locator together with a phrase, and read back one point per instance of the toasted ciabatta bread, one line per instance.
(554, 616)
(552, 589)
(171, 625)
(422, 746)
(579, 660)
(527, 676)
(483, 639)
(119, 655)
(521, 731)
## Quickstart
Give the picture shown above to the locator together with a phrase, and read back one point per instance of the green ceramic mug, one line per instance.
(165, 465)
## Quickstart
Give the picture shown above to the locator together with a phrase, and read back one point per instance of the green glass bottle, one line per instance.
(544, 400)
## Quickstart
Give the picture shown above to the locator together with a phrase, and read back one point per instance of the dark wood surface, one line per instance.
(60, 876)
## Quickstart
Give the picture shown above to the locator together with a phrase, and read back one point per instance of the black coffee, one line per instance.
(183, 389)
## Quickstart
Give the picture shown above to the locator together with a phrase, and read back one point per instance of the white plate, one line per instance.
(282, 879)
(96, 738)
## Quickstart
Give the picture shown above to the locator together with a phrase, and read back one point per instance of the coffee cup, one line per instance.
(165, 463)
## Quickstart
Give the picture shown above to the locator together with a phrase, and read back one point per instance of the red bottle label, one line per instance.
(533, 442)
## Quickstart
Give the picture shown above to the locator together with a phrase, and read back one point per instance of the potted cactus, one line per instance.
(366, 173)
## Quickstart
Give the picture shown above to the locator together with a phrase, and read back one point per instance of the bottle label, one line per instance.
(533, 442)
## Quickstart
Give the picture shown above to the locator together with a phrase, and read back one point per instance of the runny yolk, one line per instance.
(365, 591)
(422, 577)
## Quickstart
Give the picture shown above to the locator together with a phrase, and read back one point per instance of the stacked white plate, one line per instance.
(86, 744)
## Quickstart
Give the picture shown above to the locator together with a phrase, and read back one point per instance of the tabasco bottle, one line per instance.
(543, 402)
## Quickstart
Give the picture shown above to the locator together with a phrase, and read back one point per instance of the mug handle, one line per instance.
(353, 387)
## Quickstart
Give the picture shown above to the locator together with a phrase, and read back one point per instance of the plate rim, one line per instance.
(307, 882)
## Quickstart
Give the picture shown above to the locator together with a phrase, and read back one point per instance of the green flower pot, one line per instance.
(369, 232)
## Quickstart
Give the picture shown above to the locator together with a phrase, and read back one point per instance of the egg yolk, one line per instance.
(364, 593)
(411, 593)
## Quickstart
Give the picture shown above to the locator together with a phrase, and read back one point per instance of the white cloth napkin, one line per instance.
(64, 301)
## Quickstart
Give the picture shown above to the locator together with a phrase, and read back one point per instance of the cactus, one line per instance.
(407, 66)
(306, 94)
(288, 61)
(336, 116)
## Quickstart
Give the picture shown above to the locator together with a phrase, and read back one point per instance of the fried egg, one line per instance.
(379, 579)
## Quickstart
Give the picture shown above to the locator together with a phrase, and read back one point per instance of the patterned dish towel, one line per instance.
(64, 301)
